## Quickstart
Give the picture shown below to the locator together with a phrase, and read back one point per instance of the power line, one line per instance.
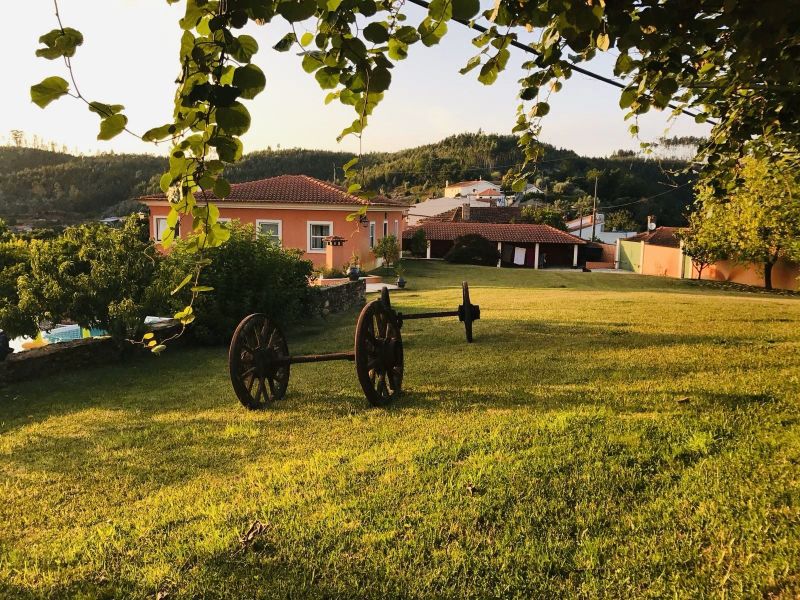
(516, 44)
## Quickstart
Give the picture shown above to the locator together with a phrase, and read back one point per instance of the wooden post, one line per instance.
(575, 256)
(536, 256)
(428, 256)
(499, 253)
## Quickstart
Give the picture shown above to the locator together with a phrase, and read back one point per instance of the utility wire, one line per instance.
(618, 84)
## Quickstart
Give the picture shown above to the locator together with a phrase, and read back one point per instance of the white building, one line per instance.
(473, 187)
(435, 206)
(583, 228)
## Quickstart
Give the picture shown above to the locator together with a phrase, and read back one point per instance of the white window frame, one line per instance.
(372, 231)
(277, 222)
(156, 236)
(309, 225)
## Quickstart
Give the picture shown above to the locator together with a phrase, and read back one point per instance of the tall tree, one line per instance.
(759, 221)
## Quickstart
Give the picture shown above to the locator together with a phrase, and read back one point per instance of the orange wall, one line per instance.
(784, 274)
(661, 260)
(294, 227)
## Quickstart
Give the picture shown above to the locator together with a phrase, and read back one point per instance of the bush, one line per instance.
(418, 245)
(473, 249)
(543, 215)
(249, 274)
(14, 262)
(94, 275)
(387, 249)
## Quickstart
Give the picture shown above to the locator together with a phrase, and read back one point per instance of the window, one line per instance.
(396, 229)
(317, 232)
(372, 234)
(385, 228)
(270, 230)
(160, 227)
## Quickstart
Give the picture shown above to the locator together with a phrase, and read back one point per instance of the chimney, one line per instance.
(465, 211)
(651, 222)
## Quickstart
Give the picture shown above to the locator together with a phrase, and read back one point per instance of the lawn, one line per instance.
(605, 436)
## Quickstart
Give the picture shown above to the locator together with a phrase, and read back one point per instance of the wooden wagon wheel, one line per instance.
(465, 311)
(258, 360)
(379, 354)
(385, 297)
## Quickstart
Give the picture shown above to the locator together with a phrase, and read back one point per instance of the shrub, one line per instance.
(473, 249)
(14, 262)
(418, 245)
(387, 249)
(249, 274)
(94, 275)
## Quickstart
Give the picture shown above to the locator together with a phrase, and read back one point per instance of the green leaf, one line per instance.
(440, 10)
(379, 80)
(222, 189)
(105, 110)
(376, 33)
(202, 288)
(603, 41)
(312, 61)
(148, 336)
(158, 349)
(540, 109)
(471, 64)
(159, 133)
(233, 120)
(60, 43)
(112, 126)
(184, 282)
(51, 88)
(519, 184)
(627, 97)
(465, 9)
(250, 80)
(297, 10)
(244, 49)
(327, 78)
(306, 38)
(285, 43)
(350, 164)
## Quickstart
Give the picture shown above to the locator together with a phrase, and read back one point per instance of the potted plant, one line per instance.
(400, 270)
(354, 272)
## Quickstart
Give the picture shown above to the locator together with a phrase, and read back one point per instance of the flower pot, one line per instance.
(401, 283)
(354, 273)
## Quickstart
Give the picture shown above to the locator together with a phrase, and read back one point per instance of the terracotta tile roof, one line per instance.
(488, 192)
(522, 233)
(300, 189)
(477, 214)
(660, 236)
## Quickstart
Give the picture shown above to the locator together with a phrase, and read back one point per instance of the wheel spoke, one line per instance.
(271, 387)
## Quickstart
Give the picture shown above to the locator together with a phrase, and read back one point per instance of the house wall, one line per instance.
(295, 225)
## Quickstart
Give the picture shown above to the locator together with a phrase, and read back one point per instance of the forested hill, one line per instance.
(62, 188)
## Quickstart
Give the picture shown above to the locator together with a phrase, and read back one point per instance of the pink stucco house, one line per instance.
(300, 212)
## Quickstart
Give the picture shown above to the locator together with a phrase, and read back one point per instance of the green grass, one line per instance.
(605, 436)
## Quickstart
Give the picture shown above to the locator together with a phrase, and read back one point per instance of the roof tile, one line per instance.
(522, 233)
(300, 189)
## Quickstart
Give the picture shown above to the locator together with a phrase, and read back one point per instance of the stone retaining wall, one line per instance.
(339, 298)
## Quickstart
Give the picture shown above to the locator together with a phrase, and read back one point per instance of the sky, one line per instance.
(129, 57)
